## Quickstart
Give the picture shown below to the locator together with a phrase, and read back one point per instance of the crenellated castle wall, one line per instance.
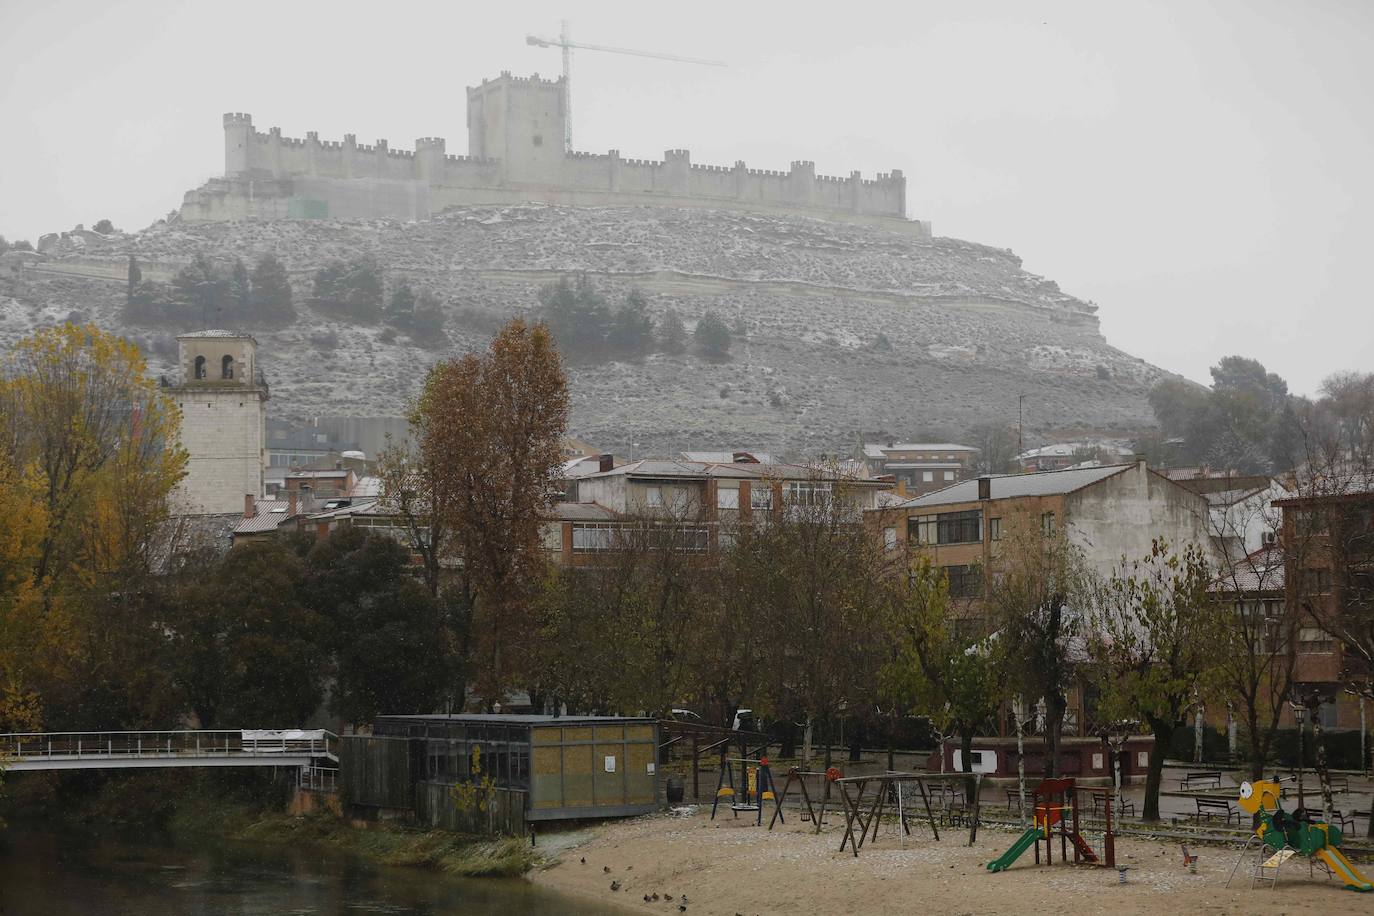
(515, 154)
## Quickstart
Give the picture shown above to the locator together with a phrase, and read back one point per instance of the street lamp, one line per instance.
(1299, 716)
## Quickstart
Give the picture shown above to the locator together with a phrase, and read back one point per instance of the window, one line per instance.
(927, 476)
(949, 475)
(200, 367)
(1047, 524)
(964, 581)
(1326, 714)
(961, 527)
(653, 496)
(1318, 581)
(761, 496)
(808, 493)
(995, 529)
(591, 537)
(890, 538)
(727, 498)
(1315, 641)
(947, 528)
(226, 367)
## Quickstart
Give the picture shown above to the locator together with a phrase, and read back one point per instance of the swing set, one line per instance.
(755, 788)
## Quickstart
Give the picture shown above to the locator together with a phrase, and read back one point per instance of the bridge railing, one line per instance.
(320, 779)
(200, 743)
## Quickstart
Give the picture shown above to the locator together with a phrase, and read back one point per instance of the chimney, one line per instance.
(291, 503)
(250, 506)
(984, 487)
(605, 463)
(307, 499)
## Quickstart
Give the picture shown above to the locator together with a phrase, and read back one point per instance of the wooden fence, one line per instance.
(435, 806)
(375, 772)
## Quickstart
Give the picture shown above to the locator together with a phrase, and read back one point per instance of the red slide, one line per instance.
(1083, 848)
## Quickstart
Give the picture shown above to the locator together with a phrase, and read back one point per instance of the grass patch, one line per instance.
(384, 844)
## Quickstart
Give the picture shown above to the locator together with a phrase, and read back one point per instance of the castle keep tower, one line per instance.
(223, 401)
(520, 122)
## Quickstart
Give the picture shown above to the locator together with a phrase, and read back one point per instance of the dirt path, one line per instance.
(731, 867)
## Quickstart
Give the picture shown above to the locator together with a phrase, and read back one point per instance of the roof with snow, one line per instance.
(878, 449)
(672, 468)
(216, 332)
(268, 517)
(1010, 486)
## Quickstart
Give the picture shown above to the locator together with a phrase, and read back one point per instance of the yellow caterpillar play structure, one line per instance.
(1282, 835)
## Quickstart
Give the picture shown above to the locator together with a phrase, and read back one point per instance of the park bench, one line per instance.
(1340, 783)
(1204, 779)
(1123, 807)
(1347, 821)
(1217, 807)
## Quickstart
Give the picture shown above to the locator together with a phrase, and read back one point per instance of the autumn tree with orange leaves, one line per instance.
(489, 429)
(89, 455)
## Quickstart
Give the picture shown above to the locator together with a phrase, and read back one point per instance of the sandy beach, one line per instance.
(731, 867)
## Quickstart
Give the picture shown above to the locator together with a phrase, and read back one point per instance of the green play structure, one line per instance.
(1281, 836)
(1056, 805)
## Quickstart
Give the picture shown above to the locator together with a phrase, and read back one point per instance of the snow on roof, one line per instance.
(666, 468)
(216, 332)
(878, 449)
(270, 514)
(1010, 486)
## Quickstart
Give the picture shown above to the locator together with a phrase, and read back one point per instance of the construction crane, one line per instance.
(564, 41)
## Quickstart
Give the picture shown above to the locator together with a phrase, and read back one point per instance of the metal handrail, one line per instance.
(321, 779)
(203, 743)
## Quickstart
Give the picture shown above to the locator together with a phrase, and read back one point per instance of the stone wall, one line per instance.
(223, 430)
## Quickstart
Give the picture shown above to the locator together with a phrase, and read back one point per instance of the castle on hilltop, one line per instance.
(515, 155)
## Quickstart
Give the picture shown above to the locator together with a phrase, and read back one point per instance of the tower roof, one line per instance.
(216, 333)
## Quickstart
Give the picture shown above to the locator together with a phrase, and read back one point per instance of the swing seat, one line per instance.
(744, 807)
(768, 796)
(724, 792)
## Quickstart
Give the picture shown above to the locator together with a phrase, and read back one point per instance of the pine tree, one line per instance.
(400, 309)
(135, 276)
(202, 288)
(271, 291)
(672, 335)
(713, 337)
(632, 330)
(239, 293)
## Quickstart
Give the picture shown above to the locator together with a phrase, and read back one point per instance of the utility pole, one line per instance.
(565, 42)
(1020, 445)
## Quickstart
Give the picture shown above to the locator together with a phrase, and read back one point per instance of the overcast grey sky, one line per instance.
(1203, 171)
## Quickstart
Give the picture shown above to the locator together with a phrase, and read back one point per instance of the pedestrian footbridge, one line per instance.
(20, 752)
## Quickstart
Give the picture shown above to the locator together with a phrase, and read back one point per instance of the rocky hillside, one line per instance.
(847, 327)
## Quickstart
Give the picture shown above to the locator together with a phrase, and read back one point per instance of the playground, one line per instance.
(735, 864)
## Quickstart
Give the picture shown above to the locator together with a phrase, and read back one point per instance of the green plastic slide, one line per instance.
(1026, 841)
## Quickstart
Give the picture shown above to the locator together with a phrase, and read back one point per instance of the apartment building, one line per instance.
(920, 467)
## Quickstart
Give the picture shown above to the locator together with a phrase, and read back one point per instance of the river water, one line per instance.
(43, 873)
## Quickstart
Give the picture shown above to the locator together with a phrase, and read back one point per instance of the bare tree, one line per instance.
(1037, 593)
(1149, 641)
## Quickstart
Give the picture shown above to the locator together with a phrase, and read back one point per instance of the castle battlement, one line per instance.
(515, 154)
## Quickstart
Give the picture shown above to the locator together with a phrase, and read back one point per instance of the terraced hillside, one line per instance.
(846, 327)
